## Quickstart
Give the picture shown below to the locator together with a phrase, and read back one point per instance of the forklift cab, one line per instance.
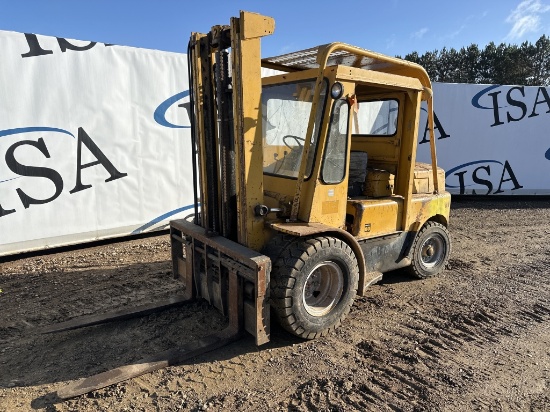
(361, 153)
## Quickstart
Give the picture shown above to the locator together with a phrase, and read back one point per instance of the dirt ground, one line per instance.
(476, 337)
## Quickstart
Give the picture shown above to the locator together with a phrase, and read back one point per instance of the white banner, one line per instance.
(491, 140)
(93, 143)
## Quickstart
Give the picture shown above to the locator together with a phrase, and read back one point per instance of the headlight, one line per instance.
(337, 90)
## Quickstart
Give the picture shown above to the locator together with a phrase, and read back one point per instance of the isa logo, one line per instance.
(512, 104)
(35, 177)
(482, 177)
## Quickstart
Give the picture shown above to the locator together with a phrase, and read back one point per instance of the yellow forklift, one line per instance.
(307, 178)
(307, 187)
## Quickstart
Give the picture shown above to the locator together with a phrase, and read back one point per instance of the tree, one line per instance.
(541, 62)
(526, 64)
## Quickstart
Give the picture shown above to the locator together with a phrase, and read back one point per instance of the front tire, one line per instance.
(313, 284)
(430, 250)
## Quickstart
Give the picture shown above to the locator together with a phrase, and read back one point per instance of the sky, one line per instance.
(393, 27)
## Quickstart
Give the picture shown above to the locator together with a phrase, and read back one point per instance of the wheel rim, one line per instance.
(433, 251)
(323, 288)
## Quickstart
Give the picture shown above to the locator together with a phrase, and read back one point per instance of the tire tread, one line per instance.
(289, 255)
(415, 269)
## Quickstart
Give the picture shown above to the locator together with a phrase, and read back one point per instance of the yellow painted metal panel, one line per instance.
(329, 203)
(247, 89)
(387, 80)
(423, 178)
(375, 217)
(379, 183)
(426, 206)
(330, 206)
(255, 25)
(407, 157)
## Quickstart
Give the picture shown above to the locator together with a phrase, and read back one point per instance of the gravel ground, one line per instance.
(476, 337)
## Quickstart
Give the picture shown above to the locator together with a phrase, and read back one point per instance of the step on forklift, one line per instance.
(308, 186)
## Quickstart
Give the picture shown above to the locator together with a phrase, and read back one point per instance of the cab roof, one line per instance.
(343, 54)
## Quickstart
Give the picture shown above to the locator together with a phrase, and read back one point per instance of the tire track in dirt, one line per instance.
(440, 334)
(409, 376)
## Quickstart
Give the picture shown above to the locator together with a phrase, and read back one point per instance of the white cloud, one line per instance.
(456, 32)
(420, 33)
(525, 18)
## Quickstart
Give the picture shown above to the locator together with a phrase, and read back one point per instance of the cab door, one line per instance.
(330, 194)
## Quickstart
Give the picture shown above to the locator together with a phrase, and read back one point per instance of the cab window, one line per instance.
(376, 118)
(334, 159)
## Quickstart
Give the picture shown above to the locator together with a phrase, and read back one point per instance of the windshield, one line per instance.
(286, 109)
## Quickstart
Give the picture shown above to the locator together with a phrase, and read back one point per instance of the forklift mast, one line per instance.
(218, 255)
(226, 124)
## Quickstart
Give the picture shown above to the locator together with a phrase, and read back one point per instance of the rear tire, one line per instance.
(430, 250)
(313, 284)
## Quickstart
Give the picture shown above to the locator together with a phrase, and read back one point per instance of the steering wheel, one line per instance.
(299, 140)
